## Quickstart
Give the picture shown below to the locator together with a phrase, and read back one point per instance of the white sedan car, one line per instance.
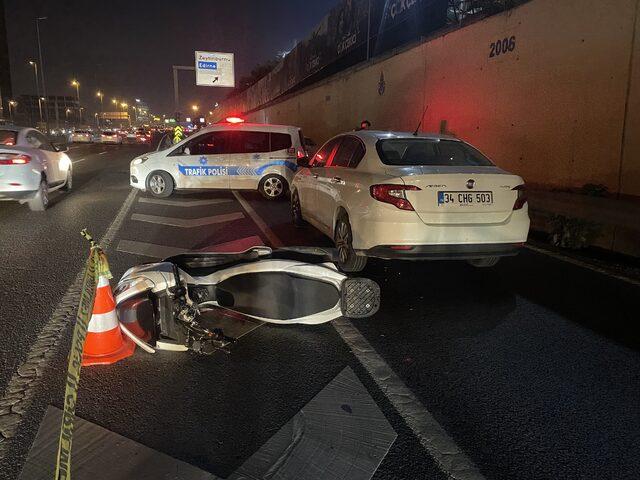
(31, 167)
(399, 195)
(229, 155)
(109, 136)
(81, 136)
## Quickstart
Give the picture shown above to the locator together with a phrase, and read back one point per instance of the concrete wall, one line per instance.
(552, 110)
(630, 169)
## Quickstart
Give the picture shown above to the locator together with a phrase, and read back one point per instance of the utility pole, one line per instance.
(176, 96)
(44, 85)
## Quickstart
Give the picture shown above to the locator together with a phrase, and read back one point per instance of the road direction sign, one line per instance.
(215, 69)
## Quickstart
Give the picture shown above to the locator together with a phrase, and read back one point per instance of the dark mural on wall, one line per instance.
(351, 32)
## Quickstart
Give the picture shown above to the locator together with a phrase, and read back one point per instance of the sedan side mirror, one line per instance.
(61, 147)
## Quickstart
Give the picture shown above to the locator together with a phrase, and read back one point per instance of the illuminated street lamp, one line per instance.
(100, 95)
(76, 83)
(124, 106)
(195, 108)
(66, 113)
(12, 104)
(35, 75)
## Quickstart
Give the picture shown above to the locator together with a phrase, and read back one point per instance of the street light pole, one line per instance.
(35, 72)
(40, 107)
(12, 104)
(100, 95)
(44, 85)
(75, 83)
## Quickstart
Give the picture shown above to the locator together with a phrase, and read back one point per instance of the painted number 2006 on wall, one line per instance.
(505, 45)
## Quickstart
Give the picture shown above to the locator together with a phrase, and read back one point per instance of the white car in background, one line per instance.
(228, 155)
(31, 167)
(112, 137)
(81, 136)
(398, 195)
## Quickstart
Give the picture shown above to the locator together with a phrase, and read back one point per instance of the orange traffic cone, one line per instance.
(105, 343)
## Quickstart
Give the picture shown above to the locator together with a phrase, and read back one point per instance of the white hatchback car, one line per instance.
(31, 167)
(224, 156)
(399, 195)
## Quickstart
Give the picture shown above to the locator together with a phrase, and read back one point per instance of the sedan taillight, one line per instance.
(522, 197)
(393, 194)
(14, 159)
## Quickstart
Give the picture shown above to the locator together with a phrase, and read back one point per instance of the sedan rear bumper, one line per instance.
(443, 252)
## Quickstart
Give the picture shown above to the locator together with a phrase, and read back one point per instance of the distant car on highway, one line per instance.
(143, 136)
(109, 136)
(31, 167)
(228, 155)
(398, 195)
(81, 136)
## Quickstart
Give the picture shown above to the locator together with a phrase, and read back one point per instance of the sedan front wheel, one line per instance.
(343, 238)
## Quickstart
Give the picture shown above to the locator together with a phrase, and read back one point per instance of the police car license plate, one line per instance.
(465, 198)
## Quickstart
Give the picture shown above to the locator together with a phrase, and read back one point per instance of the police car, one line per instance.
(228, 155)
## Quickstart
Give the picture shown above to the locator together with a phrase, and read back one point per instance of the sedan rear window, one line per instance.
(423, 151)
(8, 137)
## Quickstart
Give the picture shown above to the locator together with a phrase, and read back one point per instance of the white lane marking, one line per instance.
(102, 153)
(148, 249)
(154, 250)
(435, 440)
(184, 203)
(79, 160)
(187, 222)
(447, 455)
(264, 228)
(25, 380)
(580, 263)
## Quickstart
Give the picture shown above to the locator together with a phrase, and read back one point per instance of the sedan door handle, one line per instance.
(337, 180)
(314, 175)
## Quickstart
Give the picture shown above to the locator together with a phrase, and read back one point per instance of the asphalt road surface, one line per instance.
(530, 369)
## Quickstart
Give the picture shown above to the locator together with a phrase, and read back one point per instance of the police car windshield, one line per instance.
(425, 152)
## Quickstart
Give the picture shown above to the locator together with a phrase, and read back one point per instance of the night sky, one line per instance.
(126, 48)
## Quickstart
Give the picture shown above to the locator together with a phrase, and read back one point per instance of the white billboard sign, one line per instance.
(215, 69)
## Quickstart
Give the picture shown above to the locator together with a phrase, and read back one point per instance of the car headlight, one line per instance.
(140, 160)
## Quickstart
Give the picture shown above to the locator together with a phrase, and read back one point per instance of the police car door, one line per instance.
(249, 153)
(203, 162)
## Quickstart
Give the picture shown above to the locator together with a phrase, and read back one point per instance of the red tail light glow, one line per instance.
(234, 120)
(393, 194)
(14, 159)
(522, 197)
(301, 153)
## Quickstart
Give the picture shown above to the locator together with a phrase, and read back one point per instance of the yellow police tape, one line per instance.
(96, 267)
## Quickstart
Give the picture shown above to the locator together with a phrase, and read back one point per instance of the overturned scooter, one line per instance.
(180, 303)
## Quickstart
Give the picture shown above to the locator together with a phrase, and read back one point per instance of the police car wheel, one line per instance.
(273, 187)
(160, 184)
